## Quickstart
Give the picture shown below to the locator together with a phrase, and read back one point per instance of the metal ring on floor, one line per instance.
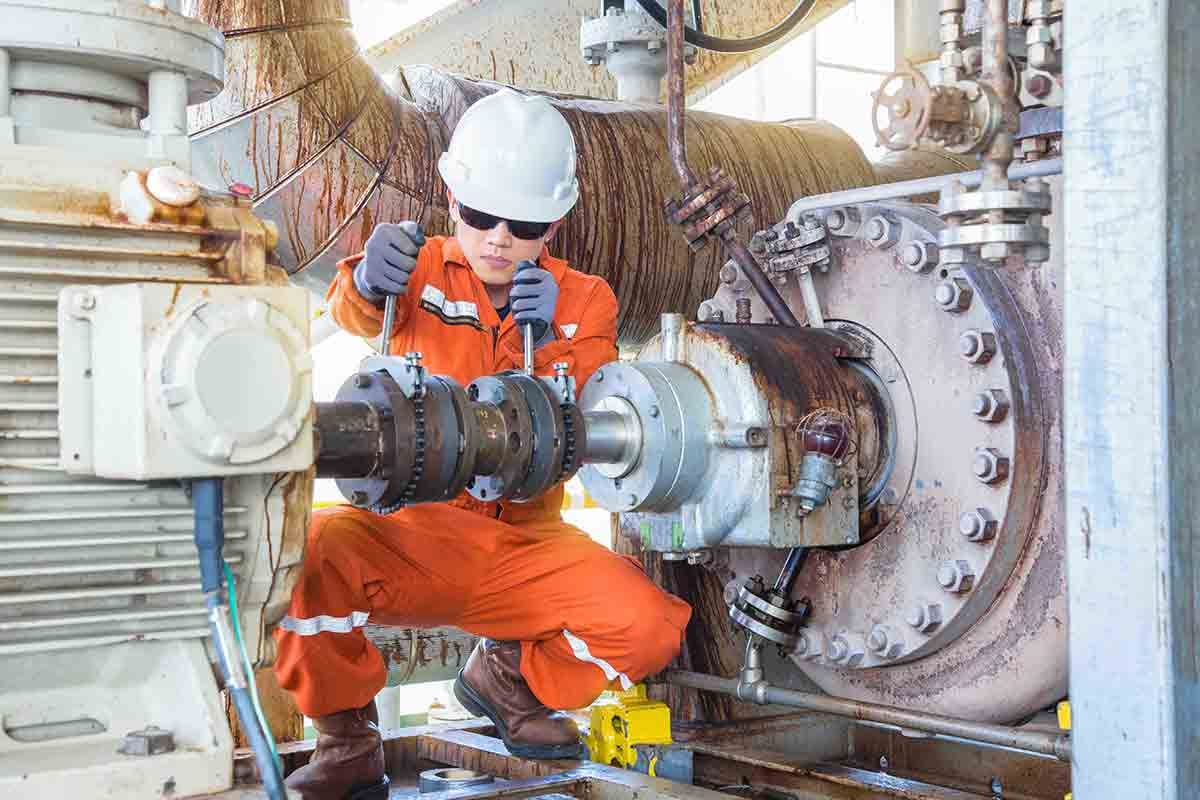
(451, 778)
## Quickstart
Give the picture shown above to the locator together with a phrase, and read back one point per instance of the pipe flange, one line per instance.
(385, 486)
(505, 393)
(549, 436)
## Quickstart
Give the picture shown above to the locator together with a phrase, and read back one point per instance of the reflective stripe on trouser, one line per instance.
(585, 616)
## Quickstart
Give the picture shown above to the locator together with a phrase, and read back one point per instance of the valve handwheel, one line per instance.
(908, 106)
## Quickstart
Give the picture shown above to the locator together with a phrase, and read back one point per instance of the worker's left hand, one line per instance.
(534, 297)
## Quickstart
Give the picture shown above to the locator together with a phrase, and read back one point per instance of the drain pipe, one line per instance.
(1057, 745)
(677, 146)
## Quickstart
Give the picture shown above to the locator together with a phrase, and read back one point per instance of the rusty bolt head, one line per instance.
(991, 405)
(953, 295)
(882, 233)
(925, 617)
(919, 256)
(731, 591)
(956, 576)
(978, 525)
(1039, 85)
(989, 466)
(978, 347)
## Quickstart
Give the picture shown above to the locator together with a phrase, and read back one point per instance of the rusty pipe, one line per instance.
(677, 145)
(996, 71)
(1057, 745)
(676, 101)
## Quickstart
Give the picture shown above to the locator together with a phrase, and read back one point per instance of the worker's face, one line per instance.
(494, 253)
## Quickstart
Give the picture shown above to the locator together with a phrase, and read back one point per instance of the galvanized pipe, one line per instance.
(902, 189)
(678, 148)
(5, 83)
(1057, 745)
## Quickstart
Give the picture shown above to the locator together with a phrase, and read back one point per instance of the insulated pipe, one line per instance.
(902, 189)
(678, 148)
(1051, 744)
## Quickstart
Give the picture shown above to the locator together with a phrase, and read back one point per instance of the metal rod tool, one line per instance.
(527, 329)
(389, 321)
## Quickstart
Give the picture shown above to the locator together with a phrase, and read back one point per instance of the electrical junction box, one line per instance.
(176, 380)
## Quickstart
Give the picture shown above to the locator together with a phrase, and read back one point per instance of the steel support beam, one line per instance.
(1132, 379)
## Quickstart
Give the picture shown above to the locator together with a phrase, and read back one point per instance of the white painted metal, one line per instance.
(154, 379)
(1131, 383)
(101, 616)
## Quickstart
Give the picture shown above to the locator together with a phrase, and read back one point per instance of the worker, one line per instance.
(563, 618)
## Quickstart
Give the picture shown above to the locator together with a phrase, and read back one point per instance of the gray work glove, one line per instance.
(534, 297)
(388, 261)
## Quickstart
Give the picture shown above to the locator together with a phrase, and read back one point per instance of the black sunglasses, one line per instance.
(485, 222)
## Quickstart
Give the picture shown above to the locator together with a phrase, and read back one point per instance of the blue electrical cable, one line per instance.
(208, 503)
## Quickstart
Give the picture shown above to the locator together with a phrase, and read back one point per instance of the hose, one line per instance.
(208, 506)
(719, 44)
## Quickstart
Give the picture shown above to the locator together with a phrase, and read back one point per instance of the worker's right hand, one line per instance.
(388, 260)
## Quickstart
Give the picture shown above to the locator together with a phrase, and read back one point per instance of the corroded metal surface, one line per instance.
(535, 44)
(328, 151)
(998, 651)
(325, 148)
(618, 229)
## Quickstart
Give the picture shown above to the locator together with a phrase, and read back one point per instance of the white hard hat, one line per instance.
(512, 156)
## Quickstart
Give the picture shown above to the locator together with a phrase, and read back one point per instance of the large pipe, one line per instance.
(1051, 744)
(675, 140)
(902, 189)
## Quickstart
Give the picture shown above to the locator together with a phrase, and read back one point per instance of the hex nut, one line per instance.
(978, 347)
(956, 576)
(881, 232)
(885, 641)
(150, 741)
(919, 256)
(991, 405)
(978, 525)
(1042, 55)
(995, 251)
(989, 466)
(925, 617)
(953, 295)
(848, 649)
(809, 646)
(843, 221)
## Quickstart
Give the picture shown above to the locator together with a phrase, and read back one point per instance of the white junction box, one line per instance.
(163, 380)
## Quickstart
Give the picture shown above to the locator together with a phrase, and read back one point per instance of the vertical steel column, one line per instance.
(1132, 395)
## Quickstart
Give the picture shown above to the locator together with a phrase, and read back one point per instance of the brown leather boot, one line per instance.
(490, 685)
(348, 761)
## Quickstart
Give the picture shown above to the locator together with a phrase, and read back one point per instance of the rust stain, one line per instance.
(170, 312)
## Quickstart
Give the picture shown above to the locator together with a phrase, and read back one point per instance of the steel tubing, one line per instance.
(1057, 745)
(902, 189)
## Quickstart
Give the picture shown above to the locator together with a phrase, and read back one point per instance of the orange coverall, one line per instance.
(586, 617)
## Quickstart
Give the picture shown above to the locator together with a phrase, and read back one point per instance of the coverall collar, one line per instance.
(452, 254)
